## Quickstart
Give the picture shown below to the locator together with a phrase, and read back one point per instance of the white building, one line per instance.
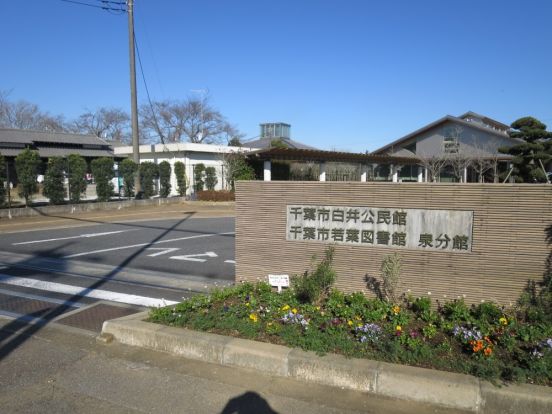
(188, 153)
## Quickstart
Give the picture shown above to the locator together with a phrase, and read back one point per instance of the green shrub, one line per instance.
(53, 180)
(199, 169)
(2, 181)
(313, 285)
(102, 169)
(236, 169)
(181, 181)
(127, 170)
(76, 171)
(164, 179)
(148, 173)
(211, 179)
(27, 166)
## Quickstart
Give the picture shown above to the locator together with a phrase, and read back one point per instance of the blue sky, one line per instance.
(348, 75)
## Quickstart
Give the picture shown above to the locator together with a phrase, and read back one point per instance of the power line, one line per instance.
(97, 6)
(148, 94)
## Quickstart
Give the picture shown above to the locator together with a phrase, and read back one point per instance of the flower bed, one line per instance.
(484, 340)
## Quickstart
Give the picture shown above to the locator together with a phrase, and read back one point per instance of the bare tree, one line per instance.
(26, 115)
(485, 158)
(434, 165)
(109, 123)
(459, 163)
(193, 120)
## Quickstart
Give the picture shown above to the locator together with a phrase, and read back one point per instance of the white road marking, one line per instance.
(163, 250)
(230, 261)
(145, 244)
(194, 257)
(82, 291)
(80, 236)
(41, 298)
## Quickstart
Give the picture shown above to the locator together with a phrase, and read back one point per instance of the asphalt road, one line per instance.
(138, 263)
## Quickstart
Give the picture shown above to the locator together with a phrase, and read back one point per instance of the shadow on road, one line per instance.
(18, 331)
(248, 403)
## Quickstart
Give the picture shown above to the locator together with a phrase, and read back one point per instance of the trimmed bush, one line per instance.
(181, 181)
(211, 179)
(2, 181)
(102, 169)
(53, 181)
(128, 169)
(27, 166)
(76, 171)
(164, 179)
(222, 195)
(199, 169)
(148, 172)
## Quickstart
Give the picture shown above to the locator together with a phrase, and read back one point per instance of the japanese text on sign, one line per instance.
(436, 230)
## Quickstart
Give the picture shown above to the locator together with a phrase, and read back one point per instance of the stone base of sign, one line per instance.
(409, 383)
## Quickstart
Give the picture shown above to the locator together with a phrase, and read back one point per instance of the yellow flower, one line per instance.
(396, 309)
(359, 325)
(285, 307)
(317, 308)
(398, 328)
(253, 317)
(503, 321)
(294, 311)
(247, 304)
(350, 323)
(358, 318)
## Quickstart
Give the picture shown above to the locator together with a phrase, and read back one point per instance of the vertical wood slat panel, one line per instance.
(508, 247)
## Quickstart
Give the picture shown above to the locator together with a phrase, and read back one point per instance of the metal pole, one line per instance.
(133, 101)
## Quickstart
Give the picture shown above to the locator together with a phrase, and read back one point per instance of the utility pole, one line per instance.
(133, 101)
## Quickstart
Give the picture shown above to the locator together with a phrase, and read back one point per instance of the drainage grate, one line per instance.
(92, 318)
(26, 306)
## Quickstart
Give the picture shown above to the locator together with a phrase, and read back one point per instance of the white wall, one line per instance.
(188, 153)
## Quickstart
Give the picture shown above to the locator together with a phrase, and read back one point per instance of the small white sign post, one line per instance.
(278, 281)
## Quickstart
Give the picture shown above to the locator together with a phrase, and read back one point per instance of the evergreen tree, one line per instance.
(76, 176)
(27, 166)
(148, 172)
(102, 169)
(2, 181)
(53, 180)
(181, 182)
(237, 168)
(128, 169)
(531, 155)
(198, 177)
(211, 179)
(164, 179)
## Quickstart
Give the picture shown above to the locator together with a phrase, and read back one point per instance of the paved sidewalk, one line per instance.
(198, 209)
(63, 370)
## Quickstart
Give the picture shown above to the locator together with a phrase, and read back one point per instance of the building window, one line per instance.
(450, 145)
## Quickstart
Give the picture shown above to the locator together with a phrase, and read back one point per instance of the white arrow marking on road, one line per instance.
(194, 257)
(230, 261)
(72, 237)
(163, 250)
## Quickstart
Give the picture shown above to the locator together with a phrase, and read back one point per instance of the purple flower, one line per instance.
(371, 332)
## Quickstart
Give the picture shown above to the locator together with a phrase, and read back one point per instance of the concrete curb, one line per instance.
(398, 381)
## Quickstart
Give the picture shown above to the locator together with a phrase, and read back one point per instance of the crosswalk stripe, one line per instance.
(85, 292)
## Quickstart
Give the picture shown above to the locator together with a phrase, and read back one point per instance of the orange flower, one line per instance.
(478, 346)
(488, 351)
(396, 309)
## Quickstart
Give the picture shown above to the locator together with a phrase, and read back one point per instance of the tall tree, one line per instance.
(148, 173)
(532, 154)
(181, 180)
(164, 179)
(53, 180)
(76, 170)
(110, 123)
(193, 120)
(127, 169)
(26, 115)
(211, 179)
(2, 181)
(102, 169)
(27, 165)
